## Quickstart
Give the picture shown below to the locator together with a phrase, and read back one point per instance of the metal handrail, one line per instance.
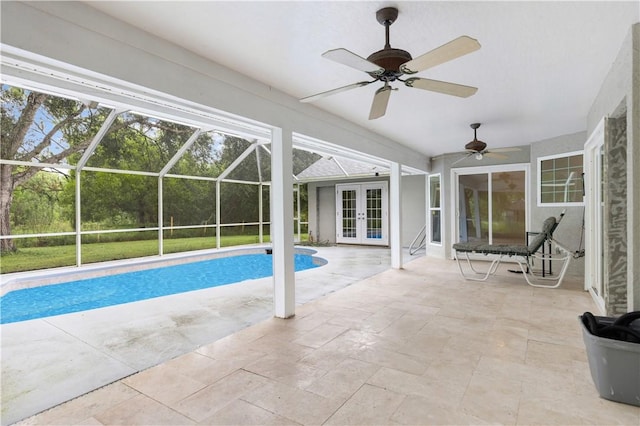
(423, 242)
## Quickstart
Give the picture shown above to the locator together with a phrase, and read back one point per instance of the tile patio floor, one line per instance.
(412, 346)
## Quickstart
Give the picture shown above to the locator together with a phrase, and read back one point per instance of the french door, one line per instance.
(362, 213)
(491, 205)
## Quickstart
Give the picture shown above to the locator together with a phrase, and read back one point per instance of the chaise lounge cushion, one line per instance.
(511, 249)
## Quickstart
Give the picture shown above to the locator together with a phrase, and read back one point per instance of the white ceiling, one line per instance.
(538, 71)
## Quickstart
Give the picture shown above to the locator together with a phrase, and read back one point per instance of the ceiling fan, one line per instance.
(479, 149)
(389, 64)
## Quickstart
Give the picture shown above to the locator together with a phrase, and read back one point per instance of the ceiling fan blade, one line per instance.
(462, 158)
(334, 91)
(441, 87)
(505, 149)
(454, 49)
(497, 156)
(350, 59)
(380, 102)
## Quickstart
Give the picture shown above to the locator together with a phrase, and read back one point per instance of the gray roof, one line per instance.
(335, 167)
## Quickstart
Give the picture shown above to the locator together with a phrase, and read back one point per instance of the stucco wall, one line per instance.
(413, 207)
(615, 217)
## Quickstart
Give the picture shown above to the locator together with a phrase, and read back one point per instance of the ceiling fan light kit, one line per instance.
(389, 65)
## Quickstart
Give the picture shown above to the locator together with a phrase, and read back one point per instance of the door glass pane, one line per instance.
(473, 222)
(435, 226)
(508, 207)
(434, 190)
(349, 213)
(374, 213)
(434, 208)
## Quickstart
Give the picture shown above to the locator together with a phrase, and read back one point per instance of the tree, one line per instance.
(43, 128)
(38, 127)
(28, 135)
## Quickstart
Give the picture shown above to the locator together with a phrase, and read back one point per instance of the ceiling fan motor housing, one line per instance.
(390, 59)
(475, 145)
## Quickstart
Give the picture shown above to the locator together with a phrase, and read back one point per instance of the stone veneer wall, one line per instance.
(615, 220)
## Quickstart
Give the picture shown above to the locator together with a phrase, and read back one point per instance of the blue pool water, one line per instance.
(92, 293)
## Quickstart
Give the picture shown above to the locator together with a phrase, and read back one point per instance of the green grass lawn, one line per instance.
(32, 258)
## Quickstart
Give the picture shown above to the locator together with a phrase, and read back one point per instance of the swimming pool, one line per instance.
(99, 292)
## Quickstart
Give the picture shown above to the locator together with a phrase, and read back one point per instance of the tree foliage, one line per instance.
(36, 204)
(38, 127)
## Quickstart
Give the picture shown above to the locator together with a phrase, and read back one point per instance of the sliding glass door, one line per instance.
(491, 204)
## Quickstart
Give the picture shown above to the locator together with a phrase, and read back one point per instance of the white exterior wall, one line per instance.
(568, 232)
(442, 165)
(570, 229)
(413, 207)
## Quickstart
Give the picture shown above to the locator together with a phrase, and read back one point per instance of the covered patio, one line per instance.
(377, 336)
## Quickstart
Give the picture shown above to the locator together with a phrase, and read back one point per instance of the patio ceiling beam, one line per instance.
(41, 74)
(310, 144)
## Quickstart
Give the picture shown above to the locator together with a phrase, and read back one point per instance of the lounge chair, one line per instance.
(523, 255)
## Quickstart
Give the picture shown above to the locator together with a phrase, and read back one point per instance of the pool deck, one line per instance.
(51, 360)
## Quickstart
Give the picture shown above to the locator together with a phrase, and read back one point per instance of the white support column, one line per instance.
(218, 214)
(261, 213)
(160, 216)
(282, 223)
(78, 219)
(395, 213)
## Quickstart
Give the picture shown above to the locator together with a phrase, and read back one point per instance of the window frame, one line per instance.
(431, 209)
(539, 161)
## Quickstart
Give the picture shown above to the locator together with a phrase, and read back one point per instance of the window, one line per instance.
(435, 212)
(560, 179)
